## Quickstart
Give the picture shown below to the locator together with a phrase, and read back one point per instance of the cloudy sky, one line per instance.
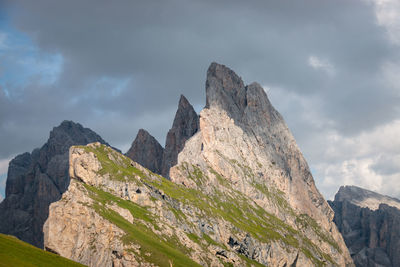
(330, 67)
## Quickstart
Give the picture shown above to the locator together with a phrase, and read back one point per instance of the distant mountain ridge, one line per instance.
(370, 225)
(365, 198)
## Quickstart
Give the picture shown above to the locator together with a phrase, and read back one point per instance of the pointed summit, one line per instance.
(146, 151)
(225, 89)
(245, 104)
(186, 124)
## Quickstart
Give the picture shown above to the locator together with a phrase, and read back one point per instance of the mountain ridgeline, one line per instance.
(230, 188)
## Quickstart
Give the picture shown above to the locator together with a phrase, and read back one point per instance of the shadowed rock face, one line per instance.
(370, 228)
(186, 124)
(146, 151)
(37, 179)
(225, 90)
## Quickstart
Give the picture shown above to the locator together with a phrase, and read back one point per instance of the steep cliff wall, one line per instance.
(370, 225)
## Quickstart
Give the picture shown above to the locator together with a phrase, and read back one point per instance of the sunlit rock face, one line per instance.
(243, 145)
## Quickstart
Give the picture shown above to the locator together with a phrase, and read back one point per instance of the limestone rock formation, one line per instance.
(243, 145)
(240, 193)
(185, 125)
(370, 225)
(37, 179)
(117, 213)
(146, 151)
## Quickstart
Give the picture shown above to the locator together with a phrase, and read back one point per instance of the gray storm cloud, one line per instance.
(125, 63)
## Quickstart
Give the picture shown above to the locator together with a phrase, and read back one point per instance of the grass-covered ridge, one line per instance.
(156, 249)
(232, 206)
(14, 252)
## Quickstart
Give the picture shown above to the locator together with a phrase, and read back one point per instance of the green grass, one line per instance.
(106, 198)
(14, 252)
(304, 220)
(194, 173)
(119, 169)
(238, 210)
(233, 206)
(160, 250)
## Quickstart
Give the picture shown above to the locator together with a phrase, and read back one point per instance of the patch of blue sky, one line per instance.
(22, 62)
(103, 88)
(3, 178)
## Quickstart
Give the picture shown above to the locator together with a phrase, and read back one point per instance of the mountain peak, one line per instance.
(225, 89)
(146, 151)
(185, 125)
(144, 133)
(364, 198)
(183, 102)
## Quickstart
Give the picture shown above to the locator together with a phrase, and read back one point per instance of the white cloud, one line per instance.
(4, 165)
(387, 15)
(370, 159)
(366, 160)
(321, 64)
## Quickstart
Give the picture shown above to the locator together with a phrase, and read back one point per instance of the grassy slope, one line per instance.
(235, 208)
(14, 252)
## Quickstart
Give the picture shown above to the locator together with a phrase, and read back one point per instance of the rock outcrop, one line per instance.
(370, 225)
(240, 193)
(37, 179)
(146, 151)
(185, 125)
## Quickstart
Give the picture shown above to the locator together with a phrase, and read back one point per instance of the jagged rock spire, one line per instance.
(245, 104)
(146, 151)
(225, 89)
(186, 124)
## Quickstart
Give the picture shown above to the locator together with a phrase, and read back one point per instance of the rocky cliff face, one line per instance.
(186, 124)
(146, 151)
(364, 198)
(240, 194)
(370, 225)
(37, 179)
(244, 145)
(117, 213)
